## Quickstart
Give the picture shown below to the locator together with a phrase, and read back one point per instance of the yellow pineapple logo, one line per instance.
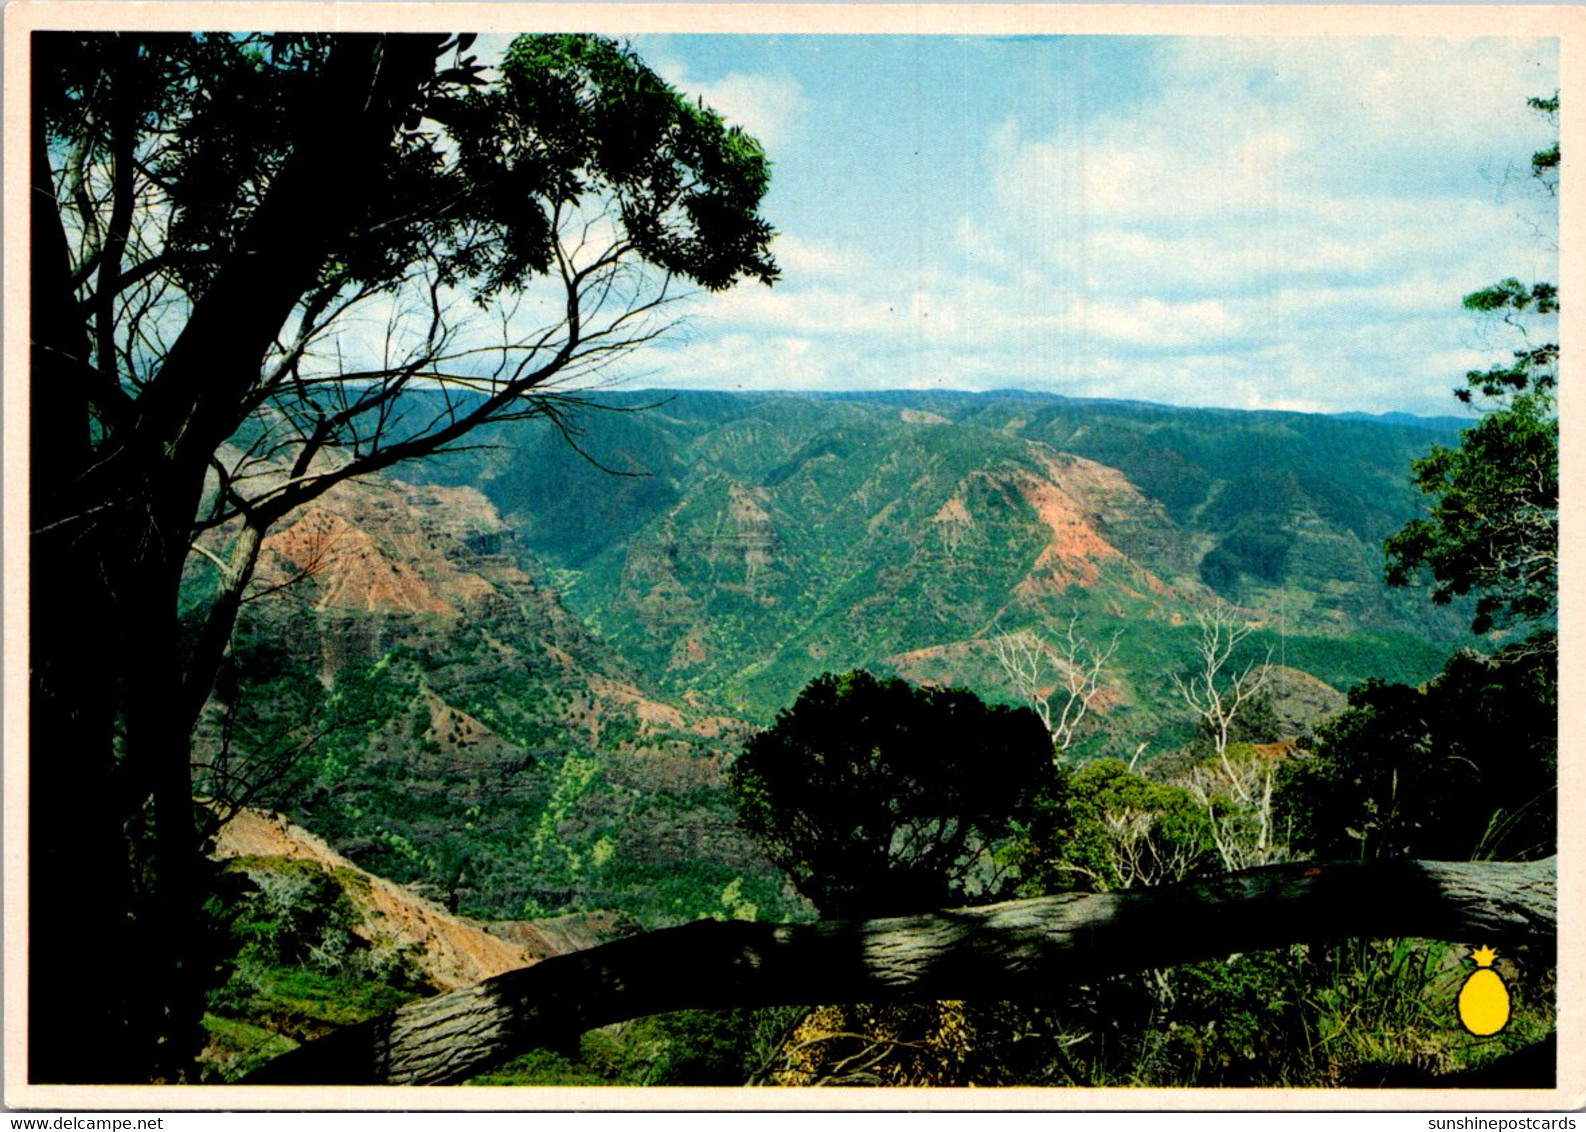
(1484, 999)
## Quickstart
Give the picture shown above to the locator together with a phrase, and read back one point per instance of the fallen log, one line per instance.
(999, 951)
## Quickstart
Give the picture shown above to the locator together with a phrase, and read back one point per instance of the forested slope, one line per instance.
(753, 541)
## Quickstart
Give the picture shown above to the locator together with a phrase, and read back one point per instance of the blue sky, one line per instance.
(1254, 223)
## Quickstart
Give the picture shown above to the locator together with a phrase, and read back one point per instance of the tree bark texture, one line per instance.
(1001, 951)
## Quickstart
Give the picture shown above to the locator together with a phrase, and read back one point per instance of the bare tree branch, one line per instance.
(1215, 692)
(1057, 677)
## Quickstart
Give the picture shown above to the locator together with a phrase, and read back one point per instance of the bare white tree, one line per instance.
(1215, 690)
(1238, 805)
(1058, 676)
(1141, 855)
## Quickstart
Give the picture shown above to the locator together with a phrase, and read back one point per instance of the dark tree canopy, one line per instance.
(1493, 530)
(172, 159)
(1465, 768)
(879, 798)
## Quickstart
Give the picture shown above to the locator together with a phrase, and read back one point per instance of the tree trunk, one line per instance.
(994, 952)
(74, 822)
(115, 861)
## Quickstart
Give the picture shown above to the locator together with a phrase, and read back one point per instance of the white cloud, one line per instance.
(1383, 97)
(1275, 224)
(806, 258)
(769, 107)
(1329, 222)
(1149, 323)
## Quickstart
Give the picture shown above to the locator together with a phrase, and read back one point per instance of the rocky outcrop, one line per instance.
(389, 548)
(450, 950)
(1138, 527)
(1300, 701)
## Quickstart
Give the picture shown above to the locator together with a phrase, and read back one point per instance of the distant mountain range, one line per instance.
(531, 662)
(1410, 420)
(750, 541)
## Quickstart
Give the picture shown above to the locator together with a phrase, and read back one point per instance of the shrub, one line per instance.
(879, 798)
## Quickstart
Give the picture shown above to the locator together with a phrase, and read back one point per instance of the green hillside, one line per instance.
(750, 542)
(415, 698)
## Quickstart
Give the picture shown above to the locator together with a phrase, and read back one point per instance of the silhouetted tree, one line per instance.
(879, 798)
(1464, 768)
(263, 265)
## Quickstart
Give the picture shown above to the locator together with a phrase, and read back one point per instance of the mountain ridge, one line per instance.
(442, 720)
(547, 668)
(1398, 418)
(749, 521)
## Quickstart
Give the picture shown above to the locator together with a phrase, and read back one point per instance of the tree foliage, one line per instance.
(1467, 765)
(878, 798)
(1493, 528)
(1463, 768)
(1113, 829)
